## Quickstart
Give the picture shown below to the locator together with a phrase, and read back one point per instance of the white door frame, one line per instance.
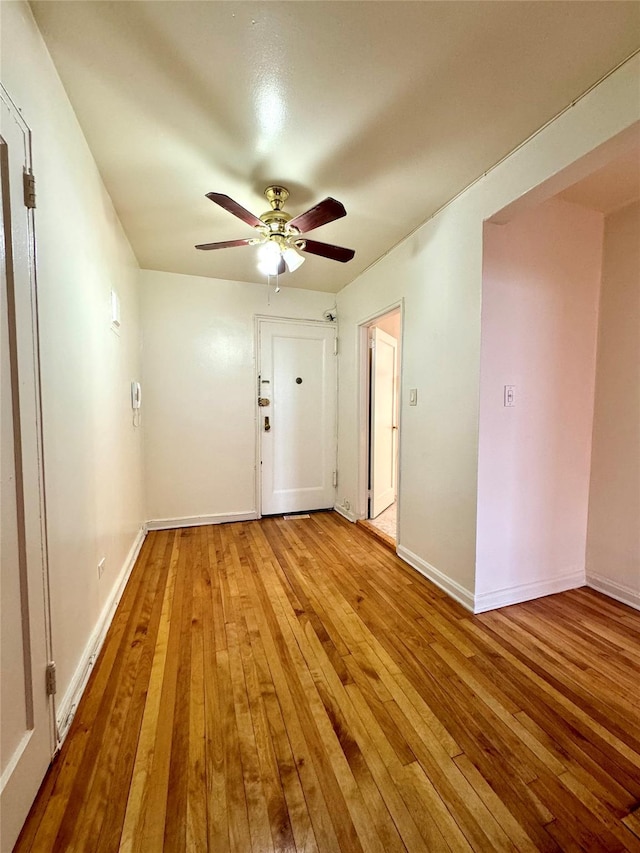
(364, 382)
(298, 321)
(30, 403)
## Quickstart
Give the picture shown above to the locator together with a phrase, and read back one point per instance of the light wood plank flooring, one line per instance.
(292, 686)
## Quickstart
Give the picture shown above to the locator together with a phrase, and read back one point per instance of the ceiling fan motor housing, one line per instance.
(276, 219)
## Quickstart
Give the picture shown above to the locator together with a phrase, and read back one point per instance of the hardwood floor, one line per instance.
(382, 537)
(293, 686)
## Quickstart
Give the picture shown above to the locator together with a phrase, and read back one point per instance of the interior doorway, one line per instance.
(384, 337)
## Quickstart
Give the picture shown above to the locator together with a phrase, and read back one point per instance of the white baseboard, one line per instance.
(198, 520)
(346, 513)
(615, 590)
(451, 587)
(527, 591)
(66, 709)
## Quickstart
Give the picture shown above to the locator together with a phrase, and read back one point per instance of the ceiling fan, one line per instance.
(281, 237)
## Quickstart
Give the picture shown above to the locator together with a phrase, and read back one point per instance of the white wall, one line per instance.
(199, 390)
(613, 544)
(92, 453)
(438, 272)
(541, 287)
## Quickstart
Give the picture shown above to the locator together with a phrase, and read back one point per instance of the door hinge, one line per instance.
(335, 479)
(335, 346)
(29, 185)
(50, 678)
(372, 343)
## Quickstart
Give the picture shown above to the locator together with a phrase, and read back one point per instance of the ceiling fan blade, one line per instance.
(235, 208)
(327, 250)
(324, 212)
(226, 244)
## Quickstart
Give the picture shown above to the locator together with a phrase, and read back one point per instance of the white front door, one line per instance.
(297, 426)
(383, 420)
(26, 741)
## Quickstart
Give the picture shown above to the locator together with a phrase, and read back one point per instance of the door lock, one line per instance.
(267, 425)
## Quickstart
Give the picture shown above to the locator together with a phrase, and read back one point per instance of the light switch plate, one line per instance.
(413, 396)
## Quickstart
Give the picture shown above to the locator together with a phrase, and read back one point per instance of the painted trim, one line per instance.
(527, 591)
(31, 396)
(619, 591)
(67, 708)
(199, 520)
(346, 513)
(277, 318)
(380, 313)
(451, 587)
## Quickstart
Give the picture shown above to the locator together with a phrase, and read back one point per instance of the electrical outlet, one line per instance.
(346, 504)
(101, 565)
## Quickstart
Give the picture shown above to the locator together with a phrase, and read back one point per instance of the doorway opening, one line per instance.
(556, 470)
(383, 337)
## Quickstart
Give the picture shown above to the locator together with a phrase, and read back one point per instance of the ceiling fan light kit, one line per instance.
(281, 237)
(292, 259)
(270, 257)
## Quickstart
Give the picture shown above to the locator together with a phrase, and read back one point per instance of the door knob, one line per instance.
(267, 425)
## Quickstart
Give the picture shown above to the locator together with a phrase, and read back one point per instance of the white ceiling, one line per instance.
(390, 107)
